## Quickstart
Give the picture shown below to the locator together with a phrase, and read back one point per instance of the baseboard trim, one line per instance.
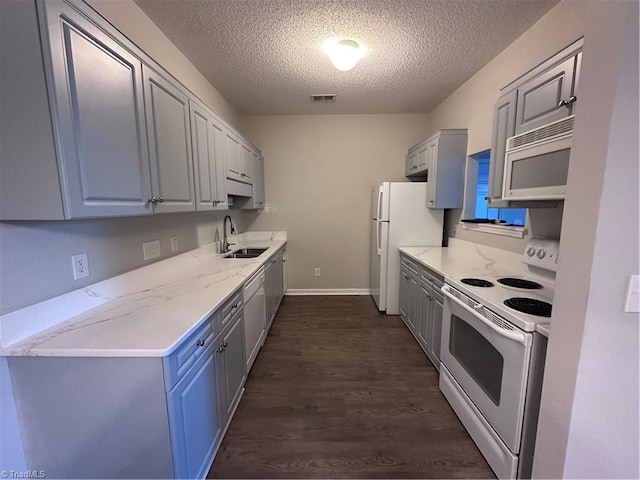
(328, 291)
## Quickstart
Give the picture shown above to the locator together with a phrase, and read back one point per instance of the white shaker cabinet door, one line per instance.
(167, 109)
(233, 157)
(207, 142)
(97, 99)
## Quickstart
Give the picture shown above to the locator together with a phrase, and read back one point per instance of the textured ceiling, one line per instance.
(265, 57)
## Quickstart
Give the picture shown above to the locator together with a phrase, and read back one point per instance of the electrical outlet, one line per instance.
(174, 244)
(316, 272)
(151, 249)
(80, 265)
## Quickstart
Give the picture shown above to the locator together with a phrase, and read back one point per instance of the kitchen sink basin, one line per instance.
(246, 253)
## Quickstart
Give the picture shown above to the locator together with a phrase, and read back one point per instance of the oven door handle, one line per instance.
(510, 334)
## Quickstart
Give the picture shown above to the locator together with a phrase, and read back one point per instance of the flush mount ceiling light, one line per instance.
(344, 54)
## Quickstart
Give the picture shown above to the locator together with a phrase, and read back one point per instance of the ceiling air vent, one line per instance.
(323, 98)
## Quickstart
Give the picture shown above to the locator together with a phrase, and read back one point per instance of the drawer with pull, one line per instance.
(229, 309)
(189, 351)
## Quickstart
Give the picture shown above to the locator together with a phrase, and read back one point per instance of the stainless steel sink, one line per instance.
(246, 253)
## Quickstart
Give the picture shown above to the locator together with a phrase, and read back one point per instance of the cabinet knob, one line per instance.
(567, 103)
(152, 200)
(200, 343)
(160, 200)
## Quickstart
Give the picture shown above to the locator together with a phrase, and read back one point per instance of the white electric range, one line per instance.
(493, 356)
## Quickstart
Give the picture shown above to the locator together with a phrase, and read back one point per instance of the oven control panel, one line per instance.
(542, 253)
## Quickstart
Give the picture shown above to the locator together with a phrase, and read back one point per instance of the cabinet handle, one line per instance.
(152, 200)
(431, 202)
(224, 344)
(487, 198)
(234, 306)
(567, 103)
(160, 200)
(200, 343)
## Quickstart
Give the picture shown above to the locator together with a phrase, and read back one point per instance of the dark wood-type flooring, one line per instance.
(340, 391)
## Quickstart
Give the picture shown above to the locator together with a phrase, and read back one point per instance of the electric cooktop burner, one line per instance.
(530, 306)
(519, 283)
(477, 282)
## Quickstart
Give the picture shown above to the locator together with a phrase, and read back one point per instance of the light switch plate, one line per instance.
(632, 303)
(151, 249)
(174, 244)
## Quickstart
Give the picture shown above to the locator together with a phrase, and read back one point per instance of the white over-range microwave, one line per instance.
(537, 162)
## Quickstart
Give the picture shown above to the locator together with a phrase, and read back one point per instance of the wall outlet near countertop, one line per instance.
(151, 249)
(174, 244)
(80, 265)
(316, 272)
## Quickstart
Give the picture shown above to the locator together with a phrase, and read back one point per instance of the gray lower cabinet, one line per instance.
(421, 306)
(408, 295)
(207, 143)
(167, 108)
(233, 366)
(165, 416)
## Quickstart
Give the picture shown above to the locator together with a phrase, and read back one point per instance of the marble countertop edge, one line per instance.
(191, 286)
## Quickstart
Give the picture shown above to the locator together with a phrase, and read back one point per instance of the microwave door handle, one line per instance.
(511, 335)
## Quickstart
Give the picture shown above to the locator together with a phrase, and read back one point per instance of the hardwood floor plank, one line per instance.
(341, 391)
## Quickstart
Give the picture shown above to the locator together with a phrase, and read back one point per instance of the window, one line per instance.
(476, 206)
(511, 216)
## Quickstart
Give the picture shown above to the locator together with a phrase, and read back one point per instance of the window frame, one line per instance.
(469, 204)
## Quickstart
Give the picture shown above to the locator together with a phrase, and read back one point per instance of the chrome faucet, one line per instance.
(225, 242)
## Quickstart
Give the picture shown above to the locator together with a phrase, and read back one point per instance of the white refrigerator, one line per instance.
(400, 218)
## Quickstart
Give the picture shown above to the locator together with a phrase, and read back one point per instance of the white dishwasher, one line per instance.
(255, 317)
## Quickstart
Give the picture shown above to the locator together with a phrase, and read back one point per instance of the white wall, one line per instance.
(319, 172)
(589, 418)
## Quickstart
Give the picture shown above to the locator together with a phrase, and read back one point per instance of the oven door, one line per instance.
(489, 359)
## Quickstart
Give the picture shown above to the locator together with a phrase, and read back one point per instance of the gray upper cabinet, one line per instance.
(543, 95)
(247, 164)
(207, 143)
(167, 108)
(100, 129)
(446, 154)
(257, 199)
(504, 120)
(440, 160)
(238, 159)
(233, 157)
(546, 98)
(102, 157)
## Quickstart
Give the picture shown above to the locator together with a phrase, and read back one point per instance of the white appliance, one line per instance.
(493, 357)
(400, 218)
(255, 317)
(537, 162)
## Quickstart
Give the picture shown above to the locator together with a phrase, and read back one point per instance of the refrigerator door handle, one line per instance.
(378, 238)
(380, 193)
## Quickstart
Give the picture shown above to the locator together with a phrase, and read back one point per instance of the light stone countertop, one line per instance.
(468, 259)
(463, 258)
(144, 313)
